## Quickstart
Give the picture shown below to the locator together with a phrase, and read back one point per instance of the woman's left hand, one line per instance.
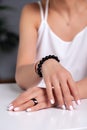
(25, 102)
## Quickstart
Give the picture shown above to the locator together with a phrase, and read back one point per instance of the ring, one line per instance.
(34, 101)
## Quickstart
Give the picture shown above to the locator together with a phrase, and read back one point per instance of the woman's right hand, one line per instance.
(57, 77)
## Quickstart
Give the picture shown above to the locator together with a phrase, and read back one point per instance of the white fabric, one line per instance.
(72, 55)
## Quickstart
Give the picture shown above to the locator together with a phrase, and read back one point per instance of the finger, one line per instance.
(18, 101)
(24, 106)
(74, 90)
(66, 95)
(49, 91)
(30, 103)
(58, 94)
(39, 107)
(24, 97)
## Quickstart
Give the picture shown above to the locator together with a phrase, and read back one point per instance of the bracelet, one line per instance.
(39, 65)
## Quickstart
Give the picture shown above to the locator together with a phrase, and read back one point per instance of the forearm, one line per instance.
(26, 76)
(82, 87)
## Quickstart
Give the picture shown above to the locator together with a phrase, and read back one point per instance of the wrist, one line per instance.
(38, 66)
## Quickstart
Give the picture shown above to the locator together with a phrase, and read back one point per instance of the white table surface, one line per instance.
(48, 119)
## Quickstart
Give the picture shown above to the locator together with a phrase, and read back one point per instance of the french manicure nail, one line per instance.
(10, 108)
(63, 107)
(52, 101)
(78, 102)
(71, 108)
(16, 109)
(28, 110)
(74, 104)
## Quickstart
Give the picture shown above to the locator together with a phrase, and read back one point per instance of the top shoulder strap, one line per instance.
(41, 10)
(46, 9)
(44, 16)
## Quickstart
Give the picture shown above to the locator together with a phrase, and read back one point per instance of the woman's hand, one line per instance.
(61, 80)
(24, 102)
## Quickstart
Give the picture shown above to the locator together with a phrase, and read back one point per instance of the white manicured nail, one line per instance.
(10, 108)
(74, 104)
(16, 109)
(71, 108)
(28, 110)
(78, 102)
(63, 107)
(52, 101)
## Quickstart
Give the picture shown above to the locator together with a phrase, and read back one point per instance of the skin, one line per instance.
(65, 89)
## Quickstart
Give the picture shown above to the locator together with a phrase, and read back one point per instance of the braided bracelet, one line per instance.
(39, 65)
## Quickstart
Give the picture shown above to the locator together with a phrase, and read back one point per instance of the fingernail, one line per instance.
(52, 101)
(71, 108)
(78, 102)
(74, 104)
(28, 110)
(16, 109)
(10, 108)
(63, 107)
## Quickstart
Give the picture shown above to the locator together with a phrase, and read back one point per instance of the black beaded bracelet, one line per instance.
(39, 66)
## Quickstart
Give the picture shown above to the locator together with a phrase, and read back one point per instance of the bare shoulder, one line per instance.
(31, 13)
(31, 8)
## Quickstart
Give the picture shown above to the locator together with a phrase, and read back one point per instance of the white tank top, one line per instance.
(72, 55)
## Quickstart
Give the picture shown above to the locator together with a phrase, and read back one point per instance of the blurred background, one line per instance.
(10, 11)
